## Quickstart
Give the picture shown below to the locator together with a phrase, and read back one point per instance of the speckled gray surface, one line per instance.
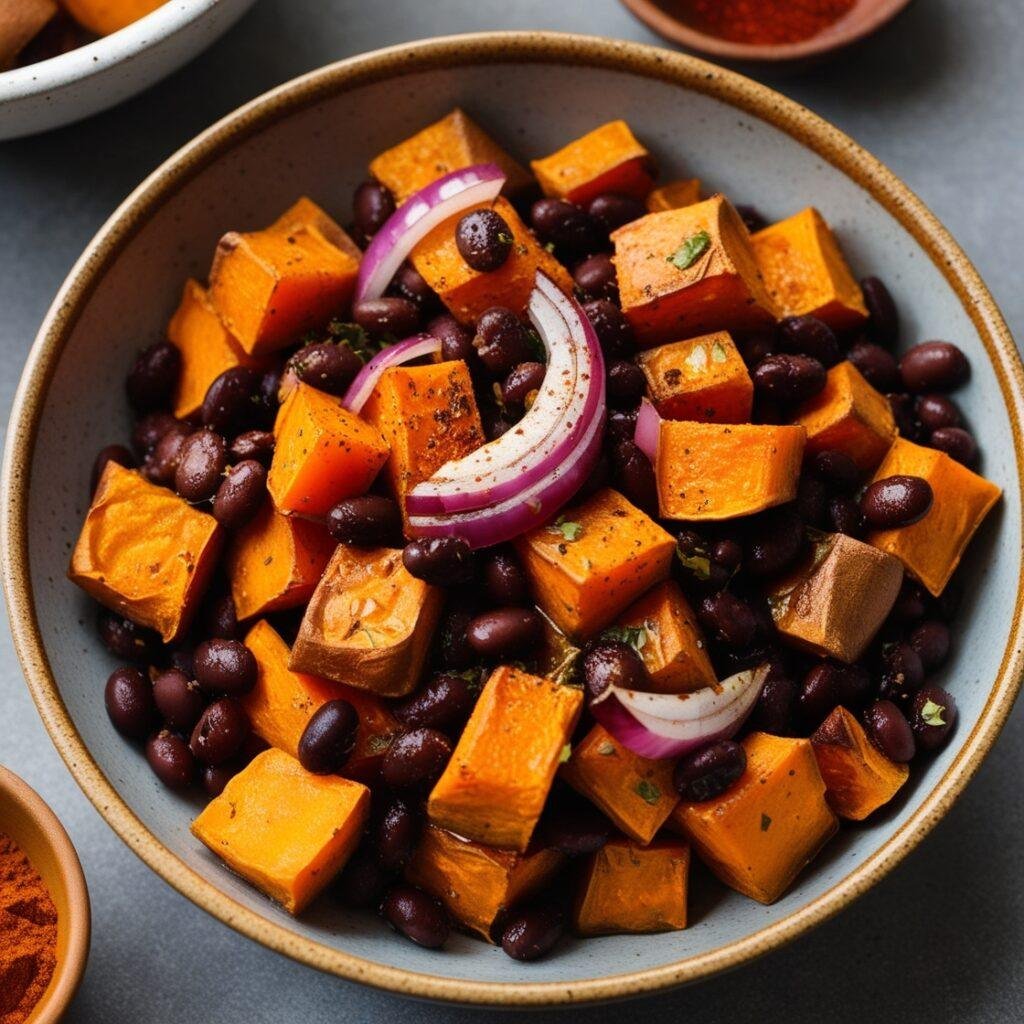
(937, 97)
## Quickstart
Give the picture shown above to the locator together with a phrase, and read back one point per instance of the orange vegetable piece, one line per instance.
(608, 159)
(674, 195)
(635, 792)
(592, 563)
(478, 883)
(323, 453)
(145, 552)
(835, 600)
(467, 292)
(106, 16)
(304, 213)
(498, 778)
(710, 471)
(689, 271)
(282, 702)
(850, 416)
(761, 833)
(673, 651)
(454, 142)
(369, 623)
(805, 273)
(287, 831)
(931, 548)
(859, 778)
(702, 379)
(428, 416)
(627, 889)
(20, 22)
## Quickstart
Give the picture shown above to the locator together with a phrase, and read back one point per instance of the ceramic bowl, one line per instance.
(315, 136)
(82, 82)
(35, 828)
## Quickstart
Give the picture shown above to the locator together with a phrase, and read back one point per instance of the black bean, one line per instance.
(505, 633)
(504, 579)
(596, 278)
(902, 406)
(240, 494)
(809, 336)
(773, 712)
(416, 759)
(911, 603)
(837, 469)
(896, 501)
(179, 700)
(456, 341)
(225, 666)
(220, 618)
(844, 516)
(369, 521)
(902, 672)
(125, 639)
(148, 431)
(231, 402)
(620, 426)
(484, 240)
(171, 760)
(454, 648)
(889, 730)
(162, 463)
(417, 916)
(444, 702)
(829, 684)
(501, 340)
(181, 659)
(215, 777)
(613, 663)
(111, 453)
(877, 365)
(753, 347)
(931, 640)
(361, 884)
(327, 366)
(932, 717)
(496, 421)
(268, 397)
(883, 317)
(626, 382)
(372, 204)
(729, 619)
(201, 462)
(533, 931)
(937, 411)
(934, 366)
(634, 476)
(708, 772)
(129, 699)
(387, 315)
(440, 561)
(220, 732)
(327, 741)
(957, 443)
(574, 827)
(522, 384)
(562, 223)
(409, 283)
(812, 501)
(775, 538)
(397, 833)
(611, 210)
(153, 377)
(727, 553)
(788, 379)
(612, 328)
(751, 217)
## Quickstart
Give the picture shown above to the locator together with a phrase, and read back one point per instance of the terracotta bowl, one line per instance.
(35, 828)
(866, 17)
(315, 136)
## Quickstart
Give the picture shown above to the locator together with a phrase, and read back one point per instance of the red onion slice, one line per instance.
(648, 430)
(394, 355)
(419, 215)
(662, 725)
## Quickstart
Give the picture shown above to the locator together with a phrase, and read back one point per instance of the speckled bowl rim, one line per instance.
(445, 53)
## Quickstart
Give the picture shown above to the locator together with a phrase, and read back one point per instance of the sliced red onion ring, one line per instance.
(394, 355)
(419, 215)
(662, 725)
(648, 430)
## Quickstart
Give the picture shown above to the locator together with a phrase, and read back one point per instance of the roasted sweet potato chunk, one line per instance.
(304, 213)
(635, 792)
(285, 830)
(591, 563)
(701, 379)
(835, 600)
(498, 778)
(931, 548)
(145, 552)
(368, 624)
(689, 271)
(859, 778)
(20, 22)
(106, 16)
(630, 889)
(478, 883)
(673, 195)
(707, 471)
(761, 833)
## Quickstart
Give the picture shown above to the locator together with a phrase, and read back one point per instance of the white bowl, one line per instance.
(98, 75)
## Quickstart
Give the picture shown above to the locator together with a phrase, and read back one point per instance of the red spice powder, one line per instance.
(763, 21)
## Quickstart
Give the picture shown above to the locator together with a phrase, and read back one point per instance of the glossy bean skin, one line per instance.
(633, 475)
(149, 429)
(111, 453)
(153, 377)
(708, 772)
(240, 494)
(957, 443)
(522, 385)
(828, 684)
(788, 378)
(911, 603)
(201, 462)
(368, 521)
(225, 666)
(268, 398)
(397, 833)
(501, 341)
(931, 640)
(327, 741)
(532, 931)
(612, 209)
(372, 204)
(877, 365)
(612, 663)
(811, 337)
(128, 697)
(844, 516)
(444, 702)
(883, 316)
(565, 224)
(932, 717)
(934, 366)
(440, 561)
(389, 314)
(611, 327)
(574, 827)
(214, 778)
(484, 240)
(220, 732)
(889, 730)
(626, 383)
(836, 469)
(454, 649)
(902, 672)
(220, 619)
(171, 760)
(896, 501)
(902, 406)
(596, 278)
(409, 283)
(505, 581)
(161, 464)
(774, 539)
(125, 639)
(326, 366)
(179, 700)
(937, 411)
(504, 633)
(456, 341)
(416, 759)
(728, 619)
(230, 401)
(775, 706)
(417, 916)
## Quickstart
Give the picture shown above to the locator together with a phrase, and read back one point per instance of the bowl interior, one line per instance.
(322, 149)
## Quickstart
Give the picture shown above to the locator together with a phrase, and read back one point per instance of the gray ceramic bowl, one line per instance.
(315, 135)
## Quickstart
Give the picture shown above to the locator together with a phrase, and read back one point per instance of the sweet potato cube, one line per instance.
(608, 159)
(859, 778)
(761, 833)
(105, 16)
(835, 600)
(805, 273)
(428, 416)
(20, 22)
(689, 271)
(701, 379)
(323, 453)
(931, 548)
(498, 778)
(673, 195)
(145, 552)
(271, 286)
(287, 831)
(454, 142)
(593, 562)
(478, 883)
(467, 292)
(369, 623)
(304, 213)
(635, 792)
(673, 647)
(628, 889)
(850, 416)
(708, 471)
(282, 702)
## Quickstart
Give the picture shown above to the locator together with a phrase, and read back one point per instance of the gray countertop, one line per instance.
(937, 96)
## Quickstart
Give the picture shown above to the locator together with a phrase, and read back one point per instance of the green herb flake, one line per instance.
(568, 530)
(931, 713)
(690, 251)
(505, 238)
(357, 339)
(698, 563)
(565, 754)
(606, 749)
(635, 636)
(648, 791)
(718, 353)
(766, 823)
(378, 744)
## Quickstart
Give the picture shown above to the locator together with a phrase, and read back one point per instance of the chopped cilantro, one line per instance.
(635, 636)
(698, 563)
(690, 251)
(931, 713)
(648, 791)
(568, 530)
